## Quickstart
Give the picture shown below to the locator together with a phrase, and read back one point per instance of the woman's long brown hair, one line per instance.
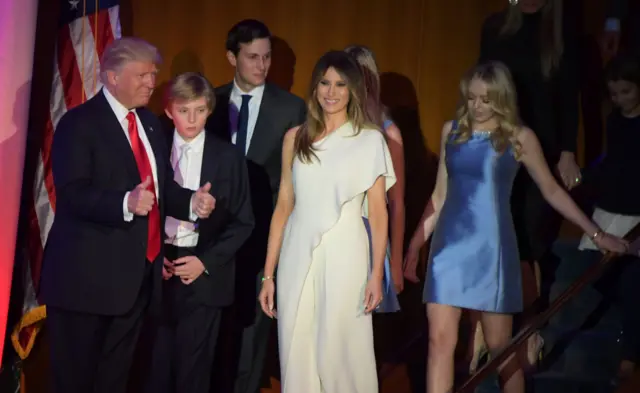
(314, 126)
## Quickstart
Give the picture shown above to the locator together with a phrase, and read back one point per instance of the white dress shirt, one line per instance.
(121, 114)
(235, 98)
(186, 160)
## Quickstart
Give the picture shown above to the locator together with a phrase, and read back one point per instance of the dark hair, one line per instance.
(313, 127)
(623, 67)
(244, 32)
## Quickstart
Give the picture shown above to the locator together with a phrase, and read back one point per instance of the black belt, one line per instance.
(172, 252)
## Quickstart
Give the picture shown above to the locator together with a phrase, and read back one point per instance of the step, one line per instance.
(554, 382)
(576, 310)
(588, 355)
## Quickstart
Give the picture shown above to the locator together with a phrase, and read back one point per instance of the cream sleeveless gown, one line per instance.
(325, 338)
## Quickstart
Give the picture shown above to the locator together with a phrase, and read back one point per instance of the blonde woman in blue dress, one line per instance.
(474, 261)
(394, 280)
(331, 165)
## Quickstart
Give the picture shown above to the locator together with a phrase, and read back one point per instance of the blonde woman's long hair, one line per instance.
(314, 126)
(376, 111)
(551, 37)
(502, 96)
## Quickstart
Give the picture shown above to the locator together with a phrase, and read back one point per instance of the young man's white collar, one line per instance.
(256, 92)
(196, 144)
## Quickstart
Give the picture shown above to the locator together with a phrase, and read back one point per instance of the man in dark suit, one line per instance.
(204, 253)
(103, 259)
(254, 116)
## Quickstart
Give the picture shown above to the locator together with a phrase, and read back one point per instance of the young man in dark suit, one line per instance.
(199, 258)
(102, 263)
(253, 115)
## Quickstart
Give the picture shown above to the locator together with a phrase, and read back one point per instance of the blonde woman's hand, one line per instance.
(411, 265)
(607, 242)
(266, 298)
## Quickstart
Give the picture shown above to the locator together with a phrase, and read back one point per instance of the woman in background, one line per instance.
(538, 44)
(474, 262)
(377, 113)
(331, 165)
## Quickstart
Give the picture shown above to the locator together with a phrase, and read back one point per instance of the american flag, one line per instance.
(86, 27)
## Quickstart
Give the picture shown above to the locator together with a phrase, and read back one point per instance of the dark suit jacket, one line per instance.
(94, 261)
(279, 112)
(229, 225)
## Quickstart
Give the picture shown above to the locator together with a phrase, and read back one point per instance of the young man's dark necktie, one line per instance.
(243, 123)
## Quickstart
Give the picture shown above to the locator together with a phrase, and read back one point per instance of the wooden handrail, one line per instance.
(591, 274)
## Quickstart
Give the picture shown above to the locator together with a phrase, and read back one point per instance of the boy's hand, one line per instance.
(188, 268)
(167, 269)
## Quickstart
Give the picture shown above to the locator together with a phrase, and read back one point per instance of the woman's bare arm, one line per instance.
(432, 210)
(379, 222)
(284, 204)
(396, 195)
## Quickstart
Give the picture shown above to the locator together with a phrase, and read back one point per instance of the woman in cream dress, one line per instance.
(325, 289)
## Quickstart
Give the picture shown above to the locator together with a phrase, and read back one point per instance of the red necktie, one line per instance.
(144, 167)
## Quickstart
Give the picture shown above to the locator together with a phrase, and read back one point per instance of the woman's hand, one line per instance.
(569, 170)
(372, 294)
(411, 265)
(266, 296)
(607, 242)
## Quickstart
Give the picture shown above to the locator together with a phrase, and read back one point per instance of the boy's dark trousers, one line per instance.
(186, 336)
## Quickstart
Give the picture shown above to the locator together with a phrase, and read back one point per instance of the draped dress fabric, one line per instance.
(474, 261)
(325, 338)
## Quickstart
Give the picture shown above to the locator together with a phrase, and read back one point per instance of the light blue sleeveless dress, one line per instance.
(390, 297)
(474, 261)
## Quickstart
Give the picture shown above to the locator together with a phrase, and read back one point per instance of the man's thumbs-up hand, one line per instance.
(141, 199)
(202, 202)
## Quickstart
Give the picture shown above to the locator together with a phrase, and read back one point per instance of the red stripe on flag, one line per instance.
(35, 247)
(69, 73)
(102, 31)
(47, 140)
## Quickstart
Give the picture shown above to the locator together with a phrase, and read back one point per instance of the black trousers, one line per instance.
(185, 340)
(93, 353)
(253, 353)
(240, 360)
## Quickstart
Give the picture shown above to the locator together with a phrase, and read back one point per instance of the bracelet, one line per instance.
(266, 278)
(598, 233)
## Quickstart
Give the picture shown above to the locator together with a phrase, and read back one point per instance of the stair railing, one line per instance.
(592, 273)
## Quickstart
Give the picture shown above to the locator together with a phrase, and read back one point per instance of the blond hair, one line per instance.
(125, 50)
(190, 86)
(502, 97)
(551, 37)
(367, 62)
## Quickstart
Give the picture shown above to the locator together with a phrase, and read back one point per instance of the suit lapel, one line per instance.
(115, 136)
(261, 138)
(208, 167)
(156, 142)
(219, 123)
